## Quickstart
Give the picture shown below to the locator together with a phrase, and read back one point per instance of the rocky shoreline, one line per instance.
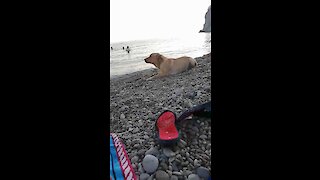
(136, 103)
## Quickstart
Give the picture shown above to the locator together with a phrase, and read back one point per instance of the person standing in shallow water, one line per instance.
(111, 48)
(128, 49)
(123, 48)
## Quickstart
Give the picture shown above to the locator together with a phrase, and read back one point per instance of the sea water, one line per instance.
(122, 62)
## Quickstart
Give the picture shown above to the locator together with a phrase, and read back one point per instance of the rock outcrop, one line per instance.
(207, 24)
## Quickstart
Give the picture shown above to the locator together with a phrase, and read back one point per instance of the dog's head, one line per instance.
(155, 59)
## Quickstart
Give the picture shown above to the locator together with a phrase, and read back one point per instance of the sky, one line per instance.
(150, 19)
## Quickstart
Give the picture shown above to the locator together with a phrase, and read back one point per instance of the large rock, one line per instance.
(150, 163)
(207, 24)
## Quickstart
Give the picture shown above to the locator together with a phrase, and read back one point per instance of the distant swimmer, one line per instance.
(123, 48)
(128, 49)
(111, 48)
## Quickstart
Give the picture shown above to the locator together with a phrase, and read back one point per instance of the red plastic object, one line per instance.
(166, 126)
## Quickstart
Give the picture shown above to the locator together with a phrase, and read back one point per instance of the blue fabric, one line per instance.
(115, 169)
(111, 168)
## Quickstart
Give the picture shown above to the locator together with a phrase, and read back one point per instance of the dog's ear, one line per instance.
(160, 58)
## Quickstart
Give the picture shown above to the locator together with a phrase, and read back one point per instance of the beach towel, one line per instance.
(120, 165)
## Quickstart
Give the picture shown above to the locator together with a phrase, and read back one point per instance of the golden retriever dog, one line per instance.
(170, 66)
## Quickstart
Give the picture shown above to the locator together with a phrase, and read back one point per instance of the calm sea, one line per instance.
(122, 62)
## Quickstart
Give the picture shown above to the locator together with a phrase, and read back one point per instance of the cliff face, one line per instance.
(207, 24)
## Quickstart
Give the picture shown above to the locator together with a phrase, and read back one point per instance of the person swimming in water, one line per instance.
(128, 49)
(111, 48)
(123, 48)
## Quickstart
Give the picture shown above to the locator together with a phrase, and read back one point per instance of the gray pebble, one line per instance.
(193, 177)
(164, 166)
(144, 176)
(150, 163)
(168, 152)
(176, 148)
(151, 177)
(153, 151)
(208, 147)
(136, 145)
(136, 141)
(122, 116)
(190, 166)
(199, 94)
(203, 137)
(178, 156)
(187, 173)
(140, 168)
(191, 95)
(203, 172)
(178, 161)
(205, 156)
(173, 177)
(123, 108)
(196, 163)
(174, 167)
(169, 172)
(195, 129)
(177, 173)
(187, 154)
(171, 159)
(141, 152)
(185, 163)
(195, 142)
(134, 159)
(162, 175)
(136, 130)
(162, 157)
(183, 152)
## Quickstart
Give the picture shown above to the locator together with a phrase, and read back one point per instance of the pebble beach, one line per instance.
(135, 104)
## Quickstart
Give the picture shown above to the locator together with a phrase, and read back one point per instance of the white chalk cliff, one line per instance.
(207, 24)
